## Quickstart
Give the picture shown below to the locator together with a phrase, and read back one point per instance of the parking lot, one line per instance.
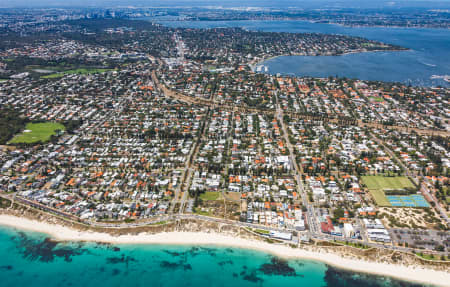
(429, 239)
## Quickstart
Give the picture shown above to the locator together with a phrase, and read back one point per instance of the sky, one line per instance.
(228, 3)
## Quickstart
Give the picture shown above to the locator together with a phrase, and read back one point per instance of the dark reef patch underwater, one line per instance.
(44, 250)
(33, 259)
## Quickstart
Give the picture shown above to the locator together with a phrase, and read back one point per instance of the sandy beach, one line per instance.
(62, 233)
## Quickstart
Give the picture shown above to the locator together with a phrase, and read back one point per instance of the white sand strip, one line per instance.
(416, 274)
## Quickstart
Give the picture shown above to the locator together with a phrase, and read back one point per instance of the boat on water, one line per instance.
(443, 77)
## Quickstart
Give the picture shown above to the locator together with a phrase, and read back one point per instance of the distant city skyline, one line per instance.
(227, 4)
(224, 143)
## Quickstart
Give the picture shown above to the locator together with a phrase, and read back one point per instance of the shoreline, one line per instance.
(260, 62)
(147, 18)
(62, 233)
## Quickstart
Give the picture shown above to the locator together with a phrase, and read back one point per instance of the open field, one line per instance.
(233, 196)
(210, 195)
(377, 185)
(35, 132)
(380, 197)
(81, 71)
(382, 182)
(377, 99)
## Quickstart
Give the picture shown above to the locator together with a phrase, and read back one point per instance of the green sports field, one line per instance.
(377, 99)
(377, 185)
(81, 71)
(37, 132)
(380, 197)
(210, 195)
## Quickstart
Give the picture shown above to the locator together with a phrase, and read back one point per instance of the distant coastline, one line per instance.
(291, 19)
(258, 62)
(64, 233)
(395, 67)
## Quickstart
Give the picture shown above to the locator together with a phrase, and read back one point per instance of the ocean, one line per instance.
(429, 53)
(34, 259)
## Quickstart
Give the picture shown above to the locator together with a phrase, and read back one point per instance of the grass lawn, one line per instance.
(37, 132)
(81, 71)
(433, 257)
(202, 212)
(210, 195)
(361, 246)
(376, 185)
(261, 231)
(383, 182)
(377, 99)
(380, 197)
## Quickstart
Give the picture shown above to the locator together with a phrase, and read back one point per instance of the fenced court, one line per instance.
(415, 200)
(378, 184)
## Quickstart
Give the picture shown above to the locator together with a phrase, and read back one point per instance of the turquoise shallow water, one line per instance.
(33, 259)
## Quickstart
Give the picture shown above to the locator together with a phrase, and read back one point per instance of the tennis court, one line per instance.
(414, 200)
